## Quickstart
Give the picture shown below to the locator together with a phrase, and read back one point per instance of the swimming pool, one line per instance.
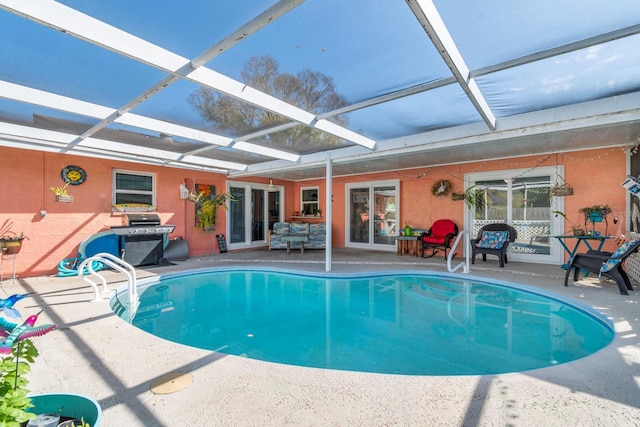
(408, 322)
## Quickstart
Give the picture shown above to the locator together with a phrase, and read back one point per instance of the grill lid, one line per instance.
(141, 219)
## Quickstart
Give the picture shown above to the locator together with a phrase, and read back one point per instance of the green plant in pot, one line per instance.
(10, 242)
(596, 213)
(472, 196)
(577, 230)
(13, 368)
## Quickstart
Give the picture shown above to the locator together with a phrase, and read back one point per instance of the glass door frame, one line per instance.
(248, 213)
(556, 222)
(371, 185)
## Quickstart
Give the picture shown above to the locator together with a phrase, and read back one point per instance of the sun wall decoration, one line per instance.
(73, 175)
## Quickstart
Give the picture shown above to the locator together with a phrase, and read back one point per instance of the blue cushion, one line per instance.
(615, 259)
(493, 239)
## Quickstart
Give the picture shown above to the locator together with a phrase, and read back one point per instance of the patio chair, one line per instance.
(493, 239)
(606, 264)
(439, 236)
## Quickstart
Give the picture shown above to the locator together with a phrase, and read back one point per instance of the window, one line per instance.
(309, 204)
(134, 187)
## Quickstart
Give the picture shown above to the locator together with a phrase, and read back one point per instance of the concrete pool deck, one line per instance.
(96, 353)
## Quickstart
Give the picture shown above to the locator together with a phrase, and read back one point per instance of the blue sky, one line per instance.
(368, 48)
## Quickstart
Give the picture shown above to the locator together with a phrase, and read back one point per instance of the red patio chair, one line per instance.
(439, 236)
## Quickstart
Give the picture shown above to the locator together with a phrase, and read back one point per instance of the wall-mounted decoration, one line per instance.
(205, 215)
(73, 175)
(441, 188)
(61, 194)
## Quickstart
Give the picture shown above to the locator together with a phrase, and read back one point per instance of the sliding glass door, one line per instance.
(521, 199)
(252, 214)
(371, 212)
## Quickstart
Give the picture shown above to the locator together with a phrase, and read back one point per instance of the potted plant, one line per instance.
(577, 230)
(17, 406)
(10, 244)
(207, 208)
(472, 196)
(61, 194)
(561, 190)
(596, 213)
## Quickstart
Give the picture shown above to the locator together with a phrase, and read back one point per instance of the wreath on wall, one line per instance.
(441, 188)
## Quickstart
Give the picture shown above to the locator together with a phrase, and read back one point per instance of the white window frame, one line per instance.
(303, 203)
(115, 191)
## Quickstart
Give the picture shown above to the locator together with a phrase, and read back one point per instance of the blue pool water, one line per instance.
(400, 323)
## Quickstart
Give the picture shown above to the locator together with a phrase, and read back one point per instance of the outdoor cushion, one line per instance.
(440, 229)
(493, 239)
(281, 228)
(615, 259)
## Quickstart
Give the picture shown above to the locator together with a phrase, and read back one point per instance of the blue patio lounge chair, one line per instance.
(606, 264)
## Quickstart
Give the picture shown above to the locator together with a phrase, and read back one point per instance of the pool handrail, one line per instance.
(119, 265)
(452, 253)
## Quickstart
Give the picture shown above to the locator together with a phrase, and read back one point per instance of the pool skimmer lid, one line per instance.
(171, 383)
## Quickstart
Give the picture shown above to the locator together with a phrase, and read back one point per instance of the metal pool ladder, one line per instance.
(465, 264)
(89, 265)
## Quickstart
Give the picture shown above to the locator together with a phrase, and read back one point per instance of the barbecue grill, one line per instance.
(142, 239)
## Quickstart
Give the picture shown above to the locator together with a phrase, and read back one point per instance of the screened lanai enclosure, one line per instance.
(266, 88)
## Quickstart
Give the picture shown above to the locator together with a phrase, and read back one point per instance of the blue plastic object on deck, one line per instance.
(101, 242)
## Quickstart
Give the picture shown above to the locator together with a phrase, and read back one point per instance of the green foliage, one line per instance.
(602, 210)
(13, 383)
(474, 197)
(207, 209)
(312, 91)
(82, 424)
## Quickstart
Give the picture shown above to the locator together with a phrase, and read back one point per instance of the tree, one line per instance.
(311, 91)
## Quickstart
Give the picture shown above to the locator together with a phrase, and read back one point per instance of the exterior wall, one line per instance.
(595, 175)
(25, 178)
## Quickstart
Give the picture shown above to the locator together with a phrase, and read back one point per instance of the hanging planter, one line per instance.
(561, 190)
(472, 197)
